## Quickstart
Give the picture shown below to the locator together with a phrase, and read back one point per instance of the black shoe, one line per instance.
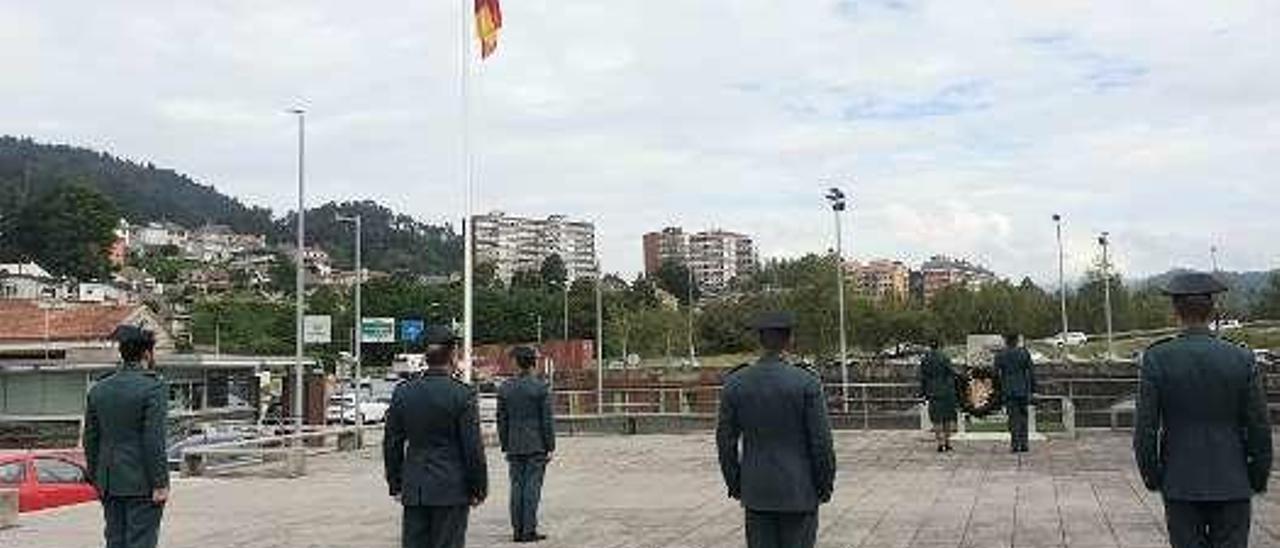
(941, 448)
(948, 448)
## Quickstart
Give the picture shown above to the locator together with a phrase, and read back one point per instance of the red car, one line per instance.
(46, 479)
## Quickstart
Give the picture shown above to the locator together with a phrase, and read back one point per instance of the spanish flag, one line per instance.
(488, 23)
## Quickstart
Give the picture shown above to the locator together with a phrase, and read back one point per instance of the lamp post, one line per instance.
(692, 283)
(836, 198)
(599, 343)
(1062, 283)
(1213, 257)
(301, 264)
(358, 222)
(1104, 241)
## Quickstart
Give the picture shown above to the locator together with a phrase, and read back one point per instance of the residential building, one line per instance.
(515, 244)
(218, 243)
(157, 235)
(881, 280)
(716, 257)
(941, 272)
(68, 331)
(28, 281)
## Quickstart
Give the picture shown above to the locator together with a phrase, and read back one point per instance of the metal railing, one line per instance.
(289, 451)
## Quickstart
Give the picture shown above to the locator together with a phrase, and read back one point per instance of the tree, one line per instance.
(673, 277)
(1268, 305)
(68, 230)
(553, 272)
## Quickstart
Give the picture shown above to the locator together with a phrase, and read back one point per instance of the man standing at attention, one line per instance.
(526, 430)
(1018, 385)
(1202, 437)
(124, 442)
(433, 452)
(787, 466)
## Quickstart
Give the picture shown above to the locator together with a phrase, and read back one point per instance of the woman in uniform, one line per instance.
(938, 387)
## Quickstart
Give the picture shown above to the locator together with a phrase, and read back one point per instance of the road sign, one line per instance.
(379, 330)
(411, 331)
(317, 329)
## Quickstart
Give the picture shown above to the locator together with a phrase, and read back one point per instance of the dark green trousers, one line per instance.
(526, 473)
(132, 522)
(1204, 524)
(1016, 408)
(781, 529)
(435, 526)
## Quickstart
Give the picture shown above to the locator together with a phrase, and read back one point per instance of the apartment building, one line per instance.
(514, 244)
(941, 272)
(715, 257)
(881, 279)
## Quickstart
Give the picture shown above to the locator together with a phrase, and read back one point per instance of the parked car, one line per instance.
(1225, 325)
(1072, 338)
(200, 439)
(46, 479)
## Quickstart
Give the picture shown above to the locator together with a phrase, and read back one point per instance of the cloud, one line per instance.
(958, 127)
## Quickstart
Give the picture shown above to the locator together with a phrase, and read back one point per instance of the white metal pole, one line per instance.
(1106, 289)
(468, 228)
(300, 274)
(844, 349)
(359, 335)
(693, 352)
(599, 344)
(1062, 282)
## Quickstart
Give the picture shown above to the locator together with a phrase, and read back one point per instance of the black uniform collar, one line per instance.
(435, 372)
(1197, 330)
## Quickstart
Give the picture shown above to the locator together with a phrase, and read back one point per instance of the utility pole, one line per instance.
(599, 342)
(357, 352)
(301, 264)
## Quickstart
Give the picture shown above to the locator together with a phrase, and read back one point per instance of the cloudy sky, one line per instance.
(958, 127)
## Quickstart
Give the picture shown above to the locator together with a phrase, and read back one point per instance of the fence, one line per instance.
(284, 455)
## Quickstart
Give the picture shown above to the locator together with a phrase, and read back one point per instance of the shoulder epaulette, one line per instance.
(1163, 340)
(737, 368)
(104, 376)
(807, 367)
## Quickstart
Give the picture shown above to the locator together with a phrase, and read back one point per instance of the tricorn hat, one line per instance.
(1193, 283)
(774, 320)
(132, 334)
(521, 353)
(439, 334)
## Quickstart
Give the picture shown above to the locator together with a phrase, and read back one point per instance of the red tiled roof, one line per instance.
(25, 321)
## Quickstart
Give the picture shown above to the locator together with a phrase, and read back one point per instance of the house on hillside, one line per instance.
(28, 281)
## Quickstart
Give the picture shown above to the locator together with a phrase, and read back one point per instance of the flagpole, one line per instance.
(468, 266)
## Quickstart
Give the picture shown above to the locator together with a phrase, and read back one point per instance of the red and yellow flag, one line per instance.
(488, 22)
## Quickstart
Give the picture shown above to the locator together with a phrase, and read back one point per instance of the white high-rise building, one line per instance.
(515, 244)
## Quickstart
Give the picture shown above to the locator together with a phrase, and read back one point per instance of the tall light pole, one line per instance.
(1104, 241)
(301, 264)
(836, 198)
(599, 342)
(692, 283)
(1213, 257)
(1062, 283)
(358, 222)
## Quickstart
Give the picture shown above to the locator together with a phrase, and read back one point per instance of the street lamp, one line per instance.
(300, 275)
(1062, 283)
(1213, 257)
(1104, 241)
(836, 198)
(358, 223)
(599, 342)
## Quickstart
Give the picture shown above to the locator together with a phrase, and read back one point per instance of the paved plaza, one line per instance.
(665, 492)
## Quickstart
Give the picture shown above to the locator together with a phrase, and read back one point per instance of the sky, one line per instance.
(957, 127)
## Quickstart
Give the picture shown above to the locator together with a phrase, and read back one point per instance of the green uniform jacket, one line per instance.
(432, 450)
(1202, 432)
(937, 377)
(1017, 374)
(124, 433)
(525, 423)
(788, 461)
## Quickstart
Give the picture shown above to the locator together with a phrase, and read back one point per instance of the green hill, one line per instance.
(142, 193)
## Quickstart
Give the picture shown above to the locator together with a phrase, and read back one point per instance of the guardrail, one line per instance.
(289, 452)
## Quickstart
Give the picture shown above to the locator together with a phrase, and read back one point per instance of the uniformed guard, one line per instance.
(526, 431)
(124, 442)
(1202, 435)
(938, 388)
(1018, 387)
(787, 466)
(432, 450)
